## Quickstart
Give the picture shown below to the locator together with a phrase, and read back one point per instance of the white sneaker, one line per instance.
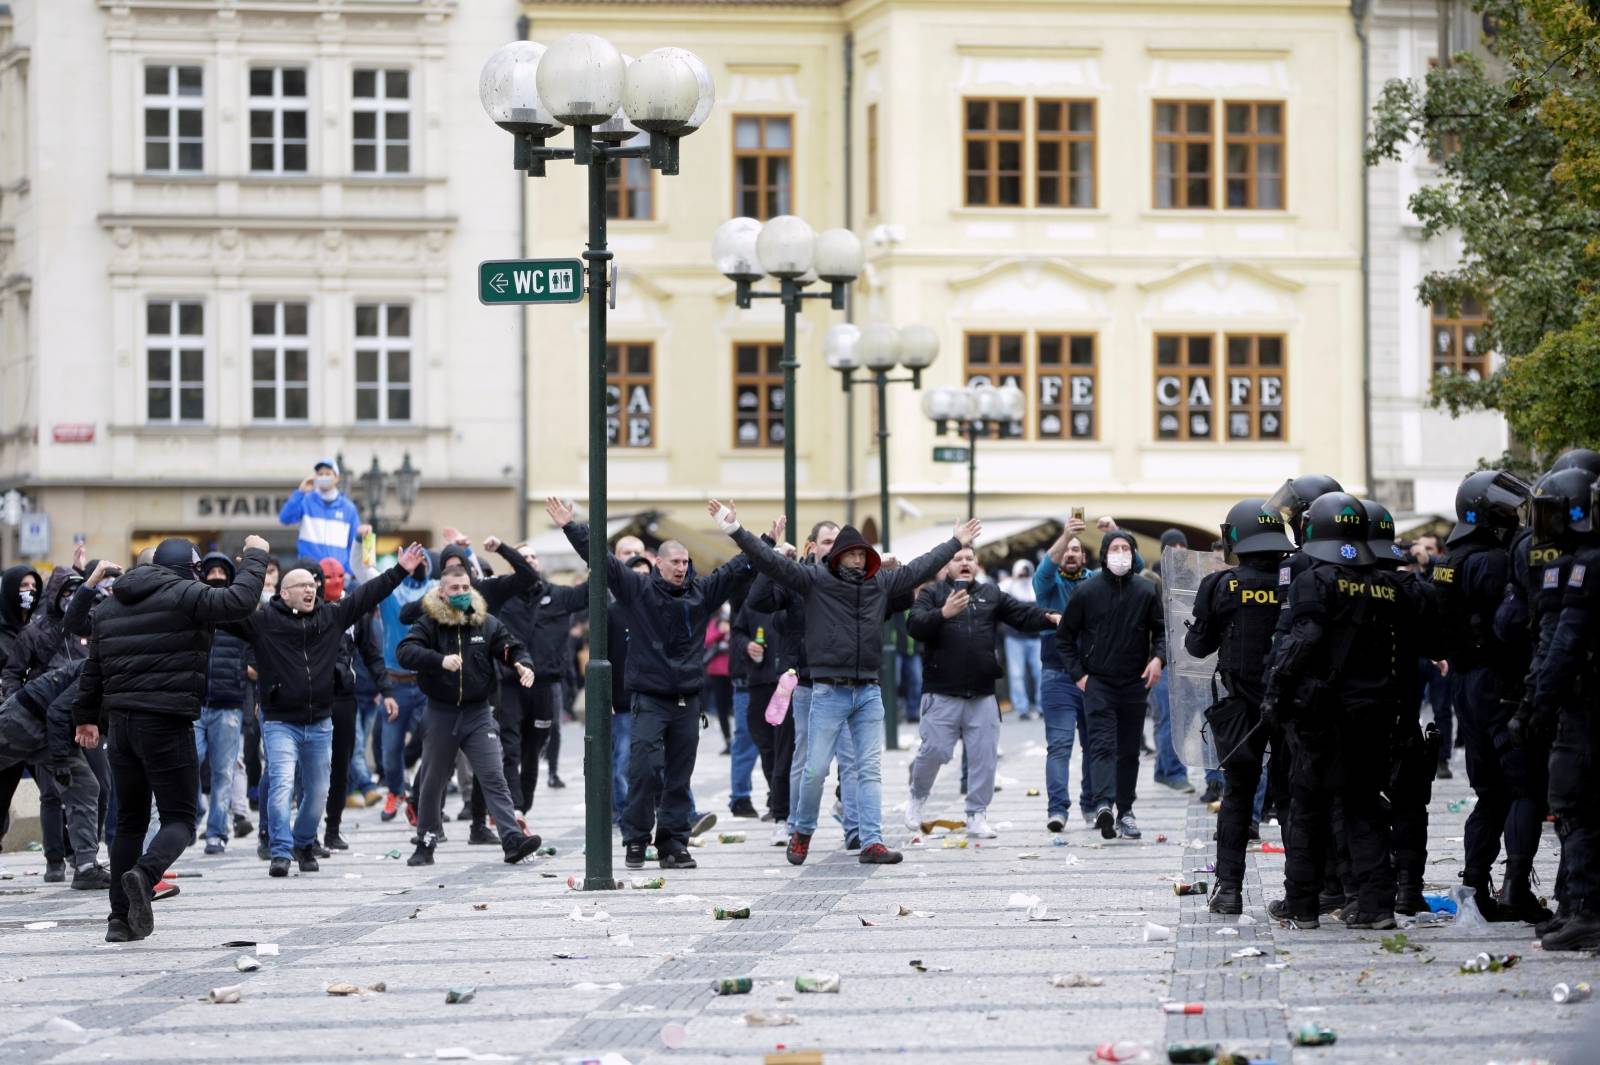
(914, 813)
(978, 825)
(780, 836)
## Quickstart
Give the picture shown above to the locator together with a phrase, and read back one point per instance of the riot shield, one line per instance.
(1188, 678)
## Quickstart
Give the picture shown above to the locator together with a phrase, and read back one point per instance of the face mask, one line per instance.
(333, 588)
(462, 602)
(25, 597)
(104, 587)
(266, 597)
(328, 494)
(323, 482)
(1119, 564)
(220, 582)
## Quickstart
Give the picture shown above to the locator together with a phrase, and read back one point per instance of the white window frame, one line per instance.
(175, 343)
(175, 105)
(383, 345)
(381, 106)
(277, 105)
(280, 343)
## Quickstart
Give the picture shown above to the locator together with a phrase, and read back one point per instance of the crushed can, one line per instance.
(1565, 993)
(456, 995)
(649, 883)
(1313, 1035)
(733, 985)
(1199, 887)
(730, 837)
(728, 913)
(817, 983)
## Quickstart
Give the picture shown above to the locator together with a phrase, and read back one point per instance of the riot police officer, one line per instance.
(1235, 613)
(1414, 753)
(1331, 679)
(1485, 670)
(1565, 613)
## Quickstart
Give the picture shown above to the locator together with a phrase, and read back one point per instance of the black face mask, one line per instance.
(220, 582)
(855, 573)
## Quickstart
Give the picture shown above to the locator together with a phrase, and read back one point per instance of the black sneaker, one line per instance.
(633, 856)
(519, 847)
(556, 781)
(878, 854)
(1443, 772)
(1226, 899)
(94, 878)
(279, 867)
(482, 835)
(1057, 823)
(1357, 919)
(743, 808)
(853, 843)
(464, 814)
(422, 856)
(242, 826)
(1105, 823)
(319, 851)
(1128, 828)
(55, 871)
(1580, 931)
(307, 858)
(1213, 793)
(681, 859)
(117, 931)
(703, 824)
(1329, 903)
(264, 851)
(332, 841)
(1254, 831)
(136, 886)
(1408, 900)
(1279, 911)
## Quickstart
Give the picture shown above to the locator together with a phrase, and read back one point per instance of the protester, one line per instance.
(719, 684)
(1061, 572)
(144, 682)
(1113, 645)
(327, 520)
(618, 621)
(1023, 654)
(757, 643)
(405, 720)
(221, 721)
(360, 641)
(957, 622)
(846, 602)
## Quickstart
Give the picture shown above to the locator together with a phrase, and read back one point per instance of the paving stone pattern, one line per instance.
(141, 1003)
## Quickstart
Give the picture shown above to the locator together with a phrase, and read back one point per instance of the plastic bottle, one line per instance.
(778, 706)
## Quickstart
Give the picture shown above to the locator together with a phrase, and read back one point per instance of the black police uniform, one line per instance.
(1235, 613)
(1414, 754)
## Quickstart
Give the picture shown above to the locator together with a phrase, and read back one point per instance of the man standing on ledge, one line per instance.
(846, 600)
(327, 520)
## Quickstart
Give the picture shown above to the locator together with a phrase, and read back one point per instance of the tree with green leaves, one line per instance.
(1518, 144)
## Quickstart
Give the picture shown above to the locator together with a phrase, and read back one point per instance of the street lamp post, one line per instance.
(972, 409)
(880, 348)
(372, 486)
(533, 93)
(787, 249)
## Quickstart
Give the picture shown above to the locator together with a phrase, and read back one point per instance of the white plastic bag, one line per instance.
(1468, 918)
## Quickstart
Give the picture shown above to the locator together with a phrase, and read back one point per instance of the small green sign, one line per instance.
(951, 454)
(530, 281)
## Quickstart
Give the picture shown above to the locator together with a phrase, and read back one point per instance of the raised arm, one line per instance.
(238, 600)
(925, 568)
(497, 590)
(294, 508)
(782, 571)
(366, 597)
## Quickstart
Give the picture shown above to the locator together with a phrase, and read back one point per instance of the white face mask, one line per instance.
(25, 597)
(1119, 564)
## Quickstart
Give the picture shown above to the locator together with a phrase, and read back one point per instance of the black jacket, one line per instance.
(667, 636)
(1113, 625)
(151, 640)
(1235, 614)
(540, 618)
(43, 644)
(13, 618)
(844, 612)
(363, 644)
(483, 643)
(748, 623)
(36, 721)
(297, 655)
(618, 620)
(959, 654)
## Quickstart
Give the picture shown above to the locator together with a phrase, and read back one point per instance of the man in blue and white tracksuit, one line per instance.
(326, 518)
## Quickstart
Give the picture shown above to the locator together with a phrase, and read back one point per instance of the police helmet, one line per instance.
(1491, 500)
(1380, 535)
(1336, 531)
(1298, 493)
(1563, 502)
(1251, 527)
(1578, 458)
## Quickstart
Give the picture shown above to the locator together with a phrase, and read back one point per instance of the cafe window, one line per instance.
(1065, 387)
(1253, 146)
(630, 395)
(1458, 339)
(1185, 378)
(992, 144)
(758, 395)
(763, 166)
(1255, 375)
(175, 361)
(1183, 145)
(997, 359)
(1064, 153)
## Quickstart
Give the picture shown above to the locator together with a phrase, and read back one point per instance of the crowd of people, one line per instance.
(306, 689)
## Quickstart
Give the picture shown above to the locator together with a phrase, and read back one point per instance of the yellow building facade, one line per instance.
(1146, 215)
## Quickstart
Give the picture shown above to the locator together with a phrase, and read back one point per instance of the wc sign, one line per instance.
(515, 281)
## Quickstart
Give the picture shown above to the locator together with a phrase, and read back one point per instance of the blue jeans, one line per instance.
(1168, 765)
(305, 750)
(856, 712)
(412, 704)
(844, 751)
(621, 739)
(1022, 672)
(745, 752)
(217, 734)
(1061, 704)
(360, 772)
(910, 685)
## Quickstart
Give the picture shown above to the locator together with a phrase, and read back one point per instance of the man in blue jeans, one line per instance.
(221, 715)
(846, 600)
(409, 700)
(1064, 567)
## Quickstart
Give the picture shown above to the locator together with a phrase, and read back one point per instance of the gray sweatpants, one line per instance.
(471, 731)
(81, 800)
(976, 723)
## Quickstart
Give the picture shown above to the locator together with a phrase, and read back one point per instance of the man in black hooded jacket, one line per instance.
(145, 676)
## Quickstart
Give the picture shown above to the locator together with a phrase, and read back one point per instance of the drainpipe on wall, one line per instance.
(524, 428)
(850, 304)
(1358, 13)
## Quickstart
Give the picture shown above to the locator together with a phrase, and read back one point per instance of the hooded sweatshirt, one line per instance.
(39, 646)
(1112, 626)
(14, 616)
(327, 527)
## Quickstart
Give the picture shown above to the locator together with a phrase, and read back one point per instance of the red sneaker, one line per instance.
(164, 889)
(799, 847)
(391, 807)
(878, 854)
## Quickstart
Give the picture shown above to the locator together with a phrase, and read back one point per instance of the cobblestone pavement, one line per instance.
(985, 997)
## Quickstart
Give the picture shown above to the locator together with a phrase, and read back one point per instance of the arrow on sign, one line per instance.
(498, 283)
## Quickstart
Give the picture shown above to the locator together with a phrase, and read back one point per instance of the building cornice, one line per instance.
(1019, 262)
(356, 223)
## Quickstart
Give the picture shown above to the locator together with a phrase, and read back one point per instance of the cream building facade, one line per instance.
(1146, 215)
(239, 237)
